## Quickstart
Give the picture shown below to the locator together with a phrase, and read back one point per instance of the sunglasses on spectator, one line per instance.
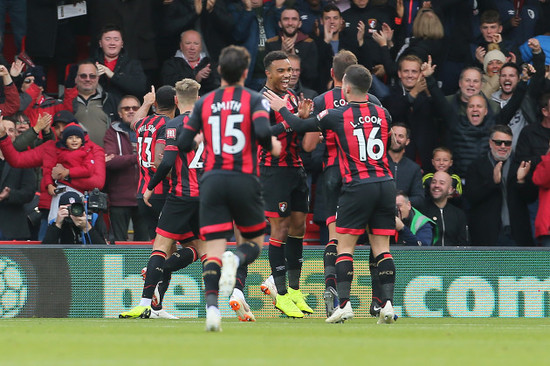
(127, 108)
(87, 76)
(28, 81)
(506, 143)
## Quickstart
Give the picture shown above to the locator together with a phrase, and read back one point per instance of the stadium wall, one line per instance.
(102, 281)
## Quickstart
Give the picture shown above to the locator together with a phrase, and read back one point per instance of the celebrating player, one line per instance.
(234, 120)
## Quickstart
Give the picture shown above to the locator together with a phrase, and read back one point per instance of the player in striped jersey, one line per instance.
(368, 193)
(332, 180)
(286, 194)
(150, 146)
(179, 219)
(234, 121)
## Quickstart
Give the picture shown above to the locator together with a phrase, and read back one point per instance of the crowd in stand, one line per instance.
(467, 85)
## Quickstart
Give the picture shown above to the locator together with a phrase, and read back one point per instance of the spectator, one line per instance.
(519, 23)
(294, 42)
(17, 187)
(30, 137)
(497, 195)
(93, 106)
(328, 43)
(11, 102)
(509, 78)
(123, 173)
(295, 83)
(406, 173)
(257, 23)
(37, 157)
(451, 223)
(118, 73)
(311, 12)
(409, 103)
(492, 63)
(22, 123)
(412, 227)
(443, 161)
(541, 177)
(72, 225)
(33, 99)
(191, 62)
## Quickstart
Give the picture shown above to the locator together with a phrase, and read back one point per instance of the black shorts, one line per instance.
(285, 190)
(228, 197)
(371, 204)
(179, 219)
(332, 185)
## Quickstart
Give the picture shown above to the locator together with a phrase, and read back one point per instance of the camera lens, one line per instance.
(76, 209)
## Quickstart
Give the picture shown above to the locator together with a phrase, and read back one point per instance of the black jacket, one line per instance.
(70, 234)
(451, 223)
(408, 178)
(176, 69)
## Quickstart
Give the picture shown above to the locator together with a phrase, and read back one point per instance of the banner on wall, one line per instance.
(98, 282)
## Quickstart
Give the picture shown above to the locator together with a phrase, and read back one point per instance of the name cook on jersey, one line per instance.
(375, 120)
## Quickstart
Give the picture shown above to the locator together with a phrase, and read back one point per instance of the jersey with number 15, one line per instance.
(231, 118)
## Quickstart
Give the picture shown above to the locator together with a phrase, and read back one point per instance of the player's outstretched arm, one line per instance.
(297, 124)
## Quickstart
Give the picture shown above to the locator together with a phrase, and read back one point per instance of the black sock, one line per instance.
(242, 273)
(293, 252)
(375, 281)
(386, 274)
(178, 260)
(344, 274)
(154, 273)
(211, 277)
(329, 262)
(276, 254)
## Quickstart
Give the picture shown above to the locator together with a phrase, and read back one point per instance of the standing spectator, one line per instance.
(519, 21)
(406, 173)
(450, 220)
(123, 173)
(496, 194)
(30, 137)
(11, 102)
(413, 228)
(17, 187)
(541, 177)
(191, 62)
(294, 42)
(492, 63)
(118, 73)
(257, 23)
(410, 103)
(33, 100)
(93, 106)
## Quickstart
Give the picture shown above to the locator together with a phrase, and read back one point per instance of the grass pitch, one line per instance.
(275, 341)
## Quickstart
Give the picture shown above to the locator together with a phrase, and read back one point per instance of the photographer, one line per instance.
(412, 227)
(71, 225)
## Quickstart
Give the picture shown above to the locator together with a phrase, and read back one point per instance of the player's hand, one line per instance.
(305, 107)
(149, 98)
(199, 138)
(497, 172)
(275, 101)
(276, 147)
(146, 196)
(523, 170)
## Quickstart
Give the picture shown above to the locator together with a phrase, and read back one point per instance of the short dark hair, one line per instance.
(512, 65)
(489, 16)
(164, 97)
(234, 60)
(274, 56)
(543, 100)
(359, 77)
(331, 7)
(401, 124)
(500, 128)
(341, 61)
(86, 62)
(110, 28)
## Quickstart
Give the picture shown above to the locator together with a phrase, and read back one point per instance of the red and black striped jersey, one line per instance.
(233, 119)
(187, 167)
(362, 131)
(329, 100)
(290, 140)
(150, 132)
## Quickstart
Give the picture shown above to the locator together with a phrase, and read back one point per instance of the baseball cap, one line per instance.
(64, 117)
(69, 198)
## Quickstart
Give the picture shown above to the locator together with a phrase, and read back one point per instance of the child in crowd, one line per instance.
(442, 160)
